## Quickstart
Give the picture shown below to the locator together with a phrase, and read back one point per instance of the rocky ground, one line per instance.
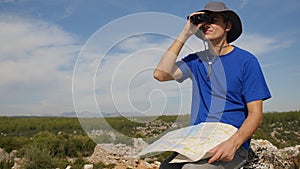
(263, 155)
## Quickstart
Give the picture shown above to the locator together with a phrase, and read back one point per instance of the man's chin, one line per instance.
(201, 35)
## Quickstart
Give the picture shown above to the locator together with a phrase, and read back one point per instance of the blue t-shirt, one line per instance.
(235, 79)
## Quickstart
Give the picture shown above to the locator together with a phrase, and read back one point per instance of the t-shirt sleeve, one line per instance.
(185, 66)
(254, 86)
(185, 69)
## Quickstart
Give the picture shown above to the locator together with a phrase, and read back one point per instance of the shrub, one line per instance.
(38, 157)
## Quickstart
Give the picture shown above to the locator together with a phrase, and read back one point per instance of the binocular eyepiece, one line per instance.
(199, 18)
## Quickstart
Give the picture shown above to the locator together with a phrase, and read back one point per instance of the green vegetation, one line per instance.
(48, 141)
(28, 126)
(6, 164)
(281, 129)
(44, 141)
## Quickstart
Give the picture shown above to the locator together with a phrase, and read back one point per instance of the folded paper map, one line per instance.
(192, 143)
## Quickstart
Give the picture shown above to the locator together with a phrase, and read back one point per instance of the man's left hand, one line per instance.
(223, 152)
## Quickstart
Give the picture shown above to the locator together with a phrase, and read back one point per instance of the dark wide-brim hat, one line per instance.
(236, 29)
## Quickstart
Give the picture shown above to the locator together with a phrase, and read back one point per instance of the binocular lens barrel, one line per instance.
(198, 18)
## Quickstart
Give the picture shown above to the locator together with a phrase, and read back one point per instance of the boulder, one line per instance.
(264, 155)
(4, 156)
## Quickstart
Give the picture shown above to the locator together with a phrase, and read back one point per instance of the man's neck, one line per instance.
(220, 48)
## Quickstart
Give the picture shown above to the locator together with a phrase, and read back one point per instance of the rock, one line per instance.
(264, 155)
(121, 155)
(17, 163)
(71, 160)
(13, 154)
(88, 166)
(139, 144)
(100, 155)
(157, 163)
(4, 156)
(68, 167)
(119, 149)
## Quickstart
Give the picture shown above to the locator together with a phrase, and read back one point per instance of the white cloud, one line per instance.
(36, 66)
(132, 84)
(124, 80)
(259, 44)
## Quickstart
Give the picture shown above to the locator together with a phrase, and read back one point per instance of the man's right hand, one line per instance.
(189, 28)
(167, 69)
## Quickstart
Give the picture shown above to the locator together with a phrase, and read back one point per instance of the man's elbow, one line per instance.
(255, 111)
(259, 118)
(161, 75)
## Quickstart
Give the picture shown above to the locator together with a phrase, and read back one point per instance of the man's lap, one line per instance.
(239, 159)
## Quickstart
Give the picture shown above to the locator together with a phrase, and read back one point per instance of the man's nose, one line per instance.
(205, 26)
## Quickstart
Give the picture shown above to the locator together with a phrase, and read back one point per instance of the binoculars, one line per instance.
(198, 18)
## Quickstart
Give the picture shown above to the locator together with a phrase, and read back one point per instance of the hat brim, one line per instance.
(236, 29)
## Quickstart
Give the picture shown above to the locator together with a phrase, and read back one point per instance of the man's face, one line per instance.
(215, 31)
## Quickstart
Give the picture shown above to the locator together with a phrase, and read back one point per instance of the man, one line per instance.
(228, 84)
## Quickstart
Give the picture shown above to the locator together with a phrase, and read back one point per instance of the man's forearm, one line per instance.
(250, 125)
(227, 149)
(166, 68)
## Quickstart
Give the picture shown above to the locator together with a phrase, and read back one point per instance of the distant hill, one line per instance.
(103, 114)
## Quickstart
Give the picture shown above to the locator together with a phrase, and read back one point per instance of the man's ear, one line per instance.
(228, 26)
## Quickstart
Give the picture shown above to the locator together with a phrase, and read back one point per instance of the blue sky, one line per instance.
(40, 42)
